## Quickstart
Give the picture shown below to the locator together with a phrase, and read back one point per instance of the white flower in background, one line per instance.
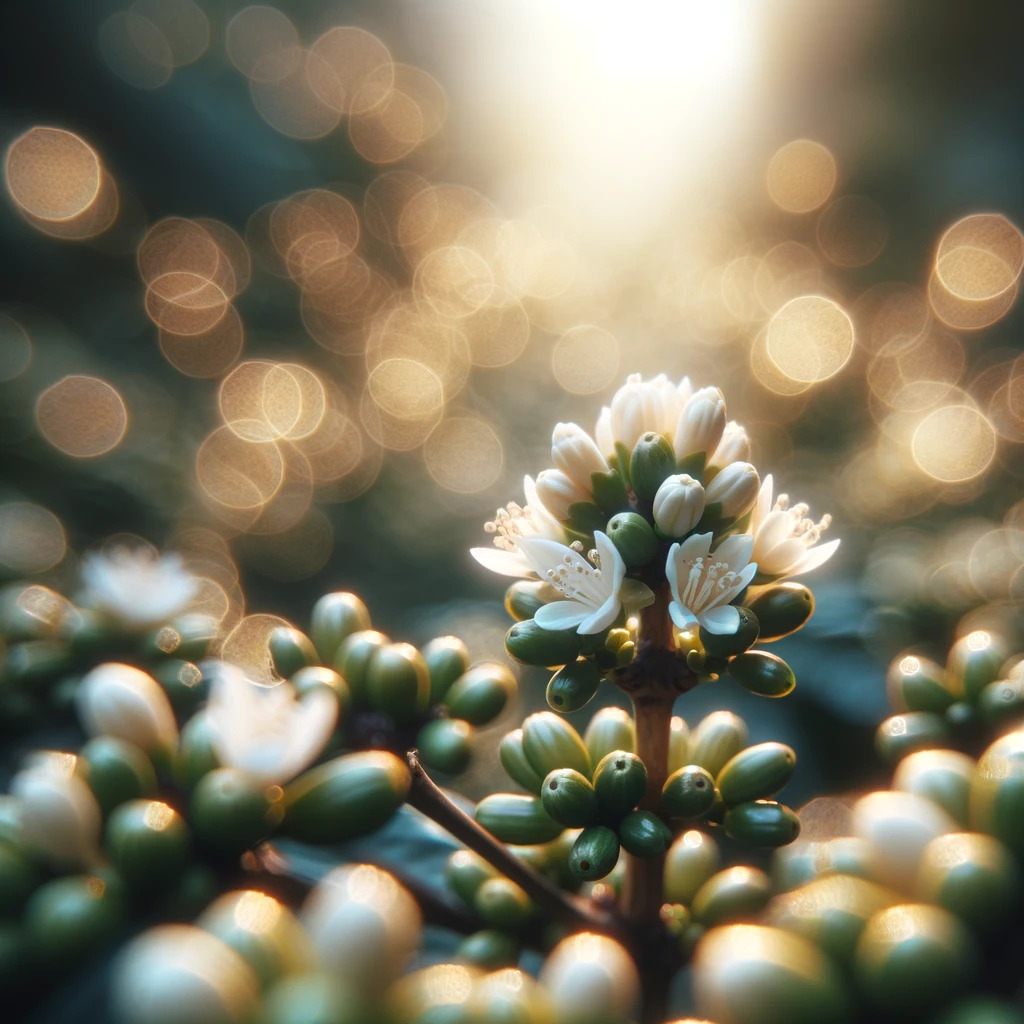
(510, 525)
(735, 488)
(557, 492)
(594, 591)
(137, 586)
(640, 406)
(59, 814)
(734, 447)
(678, 505)
(784, 538)
(703, 583)
(123, 701)
(266, 731)
(574, 453)
(701, 423)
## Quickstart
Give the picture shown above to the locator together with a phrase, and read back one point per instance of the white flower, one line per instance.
(594, 591)
(703, 583)
(137, 586)
(59, 814)
(734, 447)
(734, 488)
(701, 423)
(557, 492)
(264, 730)
(784, 537)
(509, 526)
(678, 505)
(574, 453)
(640, 406)
(123, 701)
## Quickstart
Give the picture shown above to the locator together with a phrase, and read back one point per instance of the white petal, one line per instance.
(736, 550)
(672, 570)
(695, 546)
(602, 618)
(562, 615)
(776, 528)
(763, 505)
(722, 620)
(505, 563)
(681, 615)
(611, 560)
(544, 554)
(816, 556)
(783, 558)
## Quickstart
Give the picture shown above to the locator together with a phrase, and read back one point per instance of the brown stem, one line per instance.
(428, 798)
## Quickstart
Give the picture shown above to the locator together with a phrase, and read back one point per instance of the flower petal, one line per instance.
(721, 620)
(672, 570)
(736, 550)
(681, 615)
(634, 594)
(783, 559)
(602, 618)
(816, 556)
(776, 528)
(561, 615)
(544, 554)
(763, 505)
(611, 560)
(695, 546)
(505, 563)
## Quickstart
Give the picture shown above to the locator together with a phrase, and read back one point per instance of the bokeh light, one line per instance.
(954, 443)
(801, 176)
(464, 454)
(32, 539)
(82, 416)
(585, 359)
(810, 339)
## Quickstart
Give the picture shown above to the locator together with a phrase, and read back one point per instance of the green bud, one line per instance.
(997, 791)
(762, 673)
(68, 919)
(678, 744)
(595, 853)
(230, 812)
(1002, 702)
(691, 860)
(488, 949)
(466, 872)
(345, 798)
(532, 645)
(304, 998)
(35, 661)
(196, 888)
(573, 686)
(980, 1010)
(644, 834)
(118, 771)
(569, 798)
(525, 597)
(290, 650)
(610, 729)
(757, 772)
(735, 894)
(762, 823)
(335, 618)
(480, 695)
(903, 734)
(19, 876)
(514, 818)
(446, 744)
(653, 460)
(849, 855)
(353, 659)
(195, 756)
(725, 645)
(917, 684)
(313, 676)
(975, 661)
(689, 792)
(550, 742)
(397, 682)
(717, 737)
(781, 609)
(913, 957)
(970, 875)
(148, 842)
(634, 538)
(184, 684)
(609, 492)
(620, 781)
(447, 657)
(502, 904)
(942, 776)
(513, 760)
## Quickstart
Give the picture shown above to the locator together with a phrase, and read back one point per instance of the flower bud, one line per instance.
(479, 695)
(557, 492)
(335, 617)
(231, 812)
(755, 773)
(689, 792)
(762, 823)
(735, 489)
(119, 700)
(782, 609)
(701, 423)
(533, 645)
(573, 686)
(620, 781)
(633, 537)
(550, 742)
(610, 729)
(900, 735)
(942, 776)
(691, 860)
(515, 818)
(447, 657)
(717, 737)
(651, 462)
(997, 791)
(974, 662)
(644, 834)
(574, 453)
(591, 979)
(398, 682)
(678, 505)
(513, 760)
(69, 918)
(500, 903)
(118, 771)
(291, 650)
(734, 447)
(762, 673)
(594, 853)
(446, 744)
(635, 409)
(569, 798)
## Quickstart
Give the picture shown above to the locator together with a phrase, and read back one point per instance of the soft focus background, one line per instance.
(300, 291)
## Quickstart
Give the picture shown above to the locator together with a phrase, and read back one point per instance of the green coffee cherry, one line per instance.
(735, 894)
(942, 776)
(901, 735)
(195, 889)
(974, 661)
(447, 658)
(718, 737)
(917, 684)
(515, 818)
(305, 998)
(348, 797)
(525, 597)
(71, 917)
(513, 760)
(335, 618)
(594, 853)
(970, 875)
(644, 834)
(195, 756)
(678, 744)
(19, 876)
(980, 1010)
(550, 742)
(912, 957)
(997, 791)
(148, 842)
(446, 744)
(569, 798)
(691, 860)
(184, 684)
(290, 650)
(762, 823)
(532, 645)
(118, 771)
(314, 676)
(230, 812)
(620, 781)
(689, 792)
(781, 609)
(466, 872)
(1002, 702)
(353, 659)
(849, 855)
(573, 686)
(479, 695)
(35, 661)
(502, 904)
(652, 460)
(634, 537)
(610, 729)
(398, 683)
(762, 673)
(757, 772)
(488, 949)
(725, 645)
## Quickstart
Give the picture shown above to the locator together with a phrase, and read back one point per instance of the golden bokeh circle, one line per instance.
(248, 647)
(810, 338)
(801, 176)
(464, 454)
(82, 416)
(954, 443)
(585, 359)
(32, 539)
(52, 174)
